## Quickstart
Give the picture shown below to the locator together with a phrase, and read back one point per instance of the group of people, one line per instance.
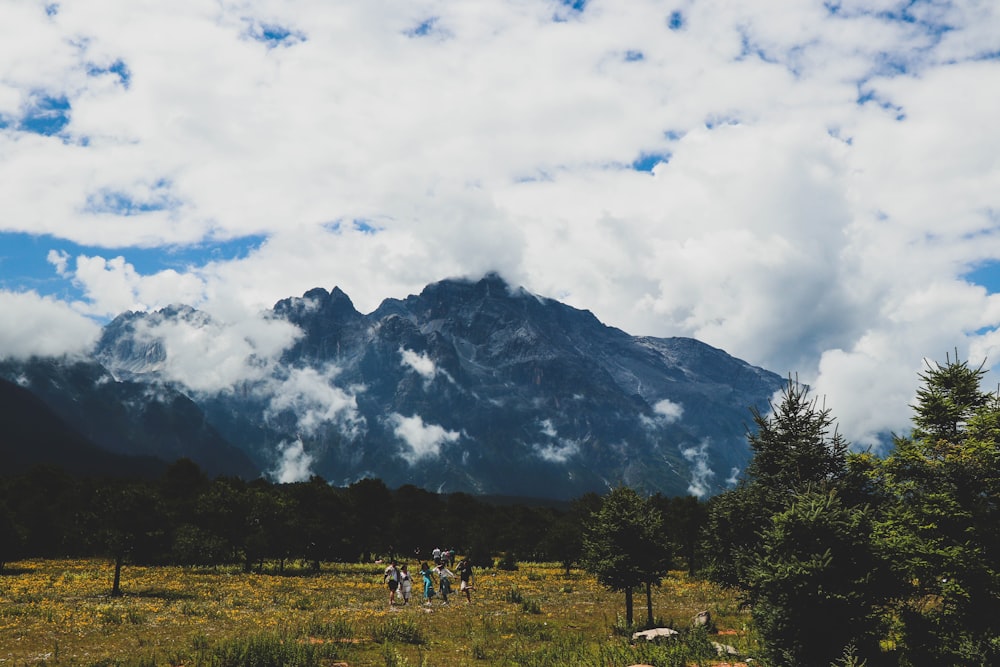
(397, 578)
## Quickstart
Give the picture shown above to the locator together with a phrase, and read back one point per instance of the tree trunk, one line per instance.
(649, 604)
(116, 588)
(628, 606)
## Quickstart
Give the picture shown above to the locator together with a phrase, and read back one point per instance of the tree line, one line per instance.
(185, 518)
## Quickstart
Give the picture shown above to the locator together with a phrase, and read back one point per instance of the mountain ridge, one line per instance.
(470, 385)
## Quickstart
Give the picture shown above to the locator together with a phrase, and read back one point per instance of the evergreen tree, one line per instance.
(625, 545)
(795, 447)
(816, 584)
(943, 486)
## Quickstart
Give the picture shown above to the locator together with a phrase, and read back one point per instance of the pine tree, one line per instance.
(816, 584)
(795, 447)
(625, 545)
(941, 521)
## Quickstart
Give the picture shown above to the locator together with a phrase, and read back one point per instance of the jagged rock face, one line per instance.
(480, 387)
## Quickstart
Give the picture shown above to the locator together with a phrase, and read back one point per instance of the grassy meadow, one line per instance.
(59, 612)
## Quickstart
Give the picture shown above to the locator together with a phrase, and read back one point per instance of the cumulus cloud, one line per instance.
(805, 186)
(35, 325)
(424, 441)
(294, 463)
(209, 355)
(112, 286)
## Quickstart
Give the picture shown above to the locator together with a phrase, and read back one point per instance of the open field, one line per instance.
(58, 612)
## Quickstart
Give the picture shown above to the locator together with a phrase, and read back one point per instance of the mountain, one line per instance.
(144, 420)
(34, 435)
(472, 386)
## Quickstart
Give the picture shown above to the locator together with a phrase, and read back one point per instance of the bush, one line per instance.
(513, 595)
(270, 650)
(398, 630)
(507, 562)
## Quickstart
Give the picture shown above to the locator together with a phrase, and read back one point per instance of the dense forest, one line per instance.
(889, 560)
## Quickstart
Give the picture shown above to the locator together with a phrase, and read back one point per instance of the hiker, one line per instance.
(444, 581)
(391, 578)
(405, 583)
(465, 577)
(425, 570)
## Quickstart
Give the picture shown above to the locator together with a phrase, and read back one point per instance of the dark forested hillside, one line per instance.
(32, 434)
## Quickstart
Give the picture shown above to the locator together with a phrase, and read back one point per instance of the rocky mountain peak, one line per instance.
(471, 385)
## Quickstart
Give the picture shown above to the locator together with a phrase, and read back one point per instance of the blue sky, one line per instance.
(810, 186)
(24, 263)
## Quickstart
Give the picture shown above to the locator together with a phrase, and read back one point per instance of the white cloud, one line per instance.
(701, 474)
(424, 441)
(316, 400)
(669, 411)
(210, 355)
(421, 364)
(824, 177)
(294, 464)
(558, 451)
(113, 286)
(36, 325)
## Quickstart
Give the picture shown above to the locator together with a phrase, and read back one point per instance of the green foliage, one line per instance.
(796, 536)
(270, 650)
(513, 595)
(816, 583)
(530, 606)
(948, 397)
(398, 630)
(625, 544)
(507, 562)
(940, 520)
(796, 448)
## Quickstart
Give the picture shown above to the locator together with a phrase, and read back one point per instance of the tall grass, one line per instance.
(58, 613)
(270, 650)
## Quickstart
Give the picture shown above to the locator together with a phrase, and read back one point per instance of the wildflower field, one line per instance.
(59, 612)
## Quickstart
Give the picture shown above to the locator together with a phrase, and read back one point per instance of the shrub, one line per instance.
(270, 650)
(399, 630)
(507, 562)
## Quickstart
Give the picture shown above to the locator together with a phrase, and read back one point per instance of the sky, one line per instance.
(812, 186)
